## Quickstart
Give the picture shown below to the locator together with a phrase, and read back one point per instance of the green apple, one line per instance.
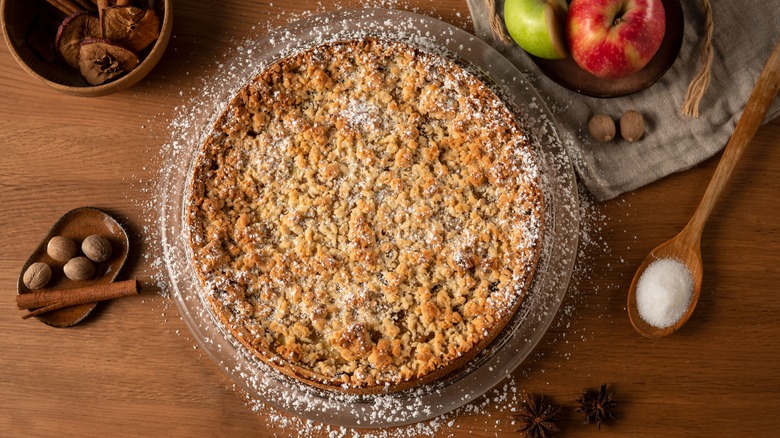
(537, 26)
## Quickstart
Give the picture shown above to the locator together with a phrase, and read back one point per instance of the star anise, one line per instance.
(597, 406)
(537, 418)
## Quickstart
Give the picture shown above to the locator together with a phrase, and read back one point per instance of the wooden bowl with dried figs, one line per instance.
(87, 47)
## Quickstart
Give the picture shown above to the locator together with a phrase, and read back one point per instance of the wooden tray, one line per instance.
(78, 224)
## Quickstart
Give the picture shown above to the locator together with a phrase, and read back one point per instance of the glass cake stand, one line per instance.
(515, 342)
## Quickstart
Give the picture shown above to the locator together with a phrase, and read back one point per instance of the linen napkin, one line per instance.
(745, 32)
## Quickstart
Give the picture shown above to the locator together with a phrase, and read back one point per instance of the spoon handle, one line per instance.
(763, 94)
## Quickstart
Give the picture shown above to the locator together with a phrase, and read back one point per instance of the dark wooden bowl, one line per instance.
(567, 73)
(25, 21)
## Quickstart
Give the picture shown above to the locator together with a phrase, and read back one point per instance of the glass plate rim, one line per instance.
(521, 335)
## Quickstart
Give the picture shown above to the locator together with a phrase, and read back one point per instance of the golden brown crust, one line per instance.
(365, 216)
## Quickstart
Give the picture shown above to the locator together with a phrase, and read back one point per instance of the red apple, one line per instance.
(614, 38)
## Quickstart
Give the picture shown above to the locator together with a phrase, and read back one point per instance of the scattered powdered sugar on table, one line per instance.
(187, 126)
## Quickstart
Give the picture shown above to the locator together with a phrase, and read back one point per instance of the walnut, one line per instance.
(37, 275)
(79, 268)
(61, 248)
(462, 261)
(96, 248)
(352, 341)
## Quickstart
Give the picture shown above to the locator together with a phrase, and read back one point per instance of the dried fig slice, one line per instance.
(132, 27)
(100, 60)
(73, 30)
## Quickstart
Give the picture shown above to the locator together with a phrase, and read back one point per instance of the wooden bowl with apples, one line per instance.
(87, 47)
(599, 48)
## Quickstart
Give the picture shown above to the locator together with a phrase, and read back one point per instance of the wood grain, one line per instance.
(132, 369)
(686, 245)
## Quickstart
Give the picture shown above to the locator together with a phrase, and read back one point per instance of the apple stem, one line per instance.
(619, 16)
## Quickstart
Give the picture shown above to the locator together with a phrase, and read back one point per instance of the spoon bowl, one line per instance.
(686, 246)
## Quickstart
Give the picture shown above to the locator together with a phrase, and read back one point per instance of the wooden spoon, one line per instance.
(686, 246)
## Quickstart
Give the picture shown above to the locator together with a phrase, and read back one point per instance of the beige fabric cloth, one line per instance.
(745, 33)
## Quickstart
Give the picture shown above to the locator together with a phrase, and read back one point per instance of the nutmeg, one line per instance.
(37, 275)
(96, 248)
(601, 127)
(61, 248)
(79, 268)
(632, 125)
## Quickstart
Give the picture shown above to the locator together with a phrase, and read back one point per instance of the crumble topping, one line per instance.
(365, 214)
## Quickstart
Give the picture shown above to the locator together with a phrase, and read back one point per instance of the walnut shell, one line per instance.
(601, 127)
(61, 248)
(96, 248)
(37, 275)
(79, 268)
(632, 125)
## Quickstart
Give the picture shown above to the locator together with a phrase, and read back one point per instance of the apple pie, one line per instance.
(365, 216)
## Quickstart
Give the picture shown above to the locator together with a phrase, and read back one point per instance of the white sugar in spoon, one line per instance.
(686, 246)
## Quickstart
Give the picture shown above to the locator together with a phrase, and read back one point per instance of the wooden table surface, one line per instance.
(132, 369)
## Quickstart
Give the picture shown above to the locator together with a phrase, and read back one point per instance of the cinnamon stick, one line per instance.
(37, 312)
(47, 301)
(66, 6)
(102, 4)
(86, 5)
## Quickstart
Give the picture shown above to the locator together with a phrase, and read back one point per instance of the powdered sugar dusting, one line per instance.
(266, 390)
